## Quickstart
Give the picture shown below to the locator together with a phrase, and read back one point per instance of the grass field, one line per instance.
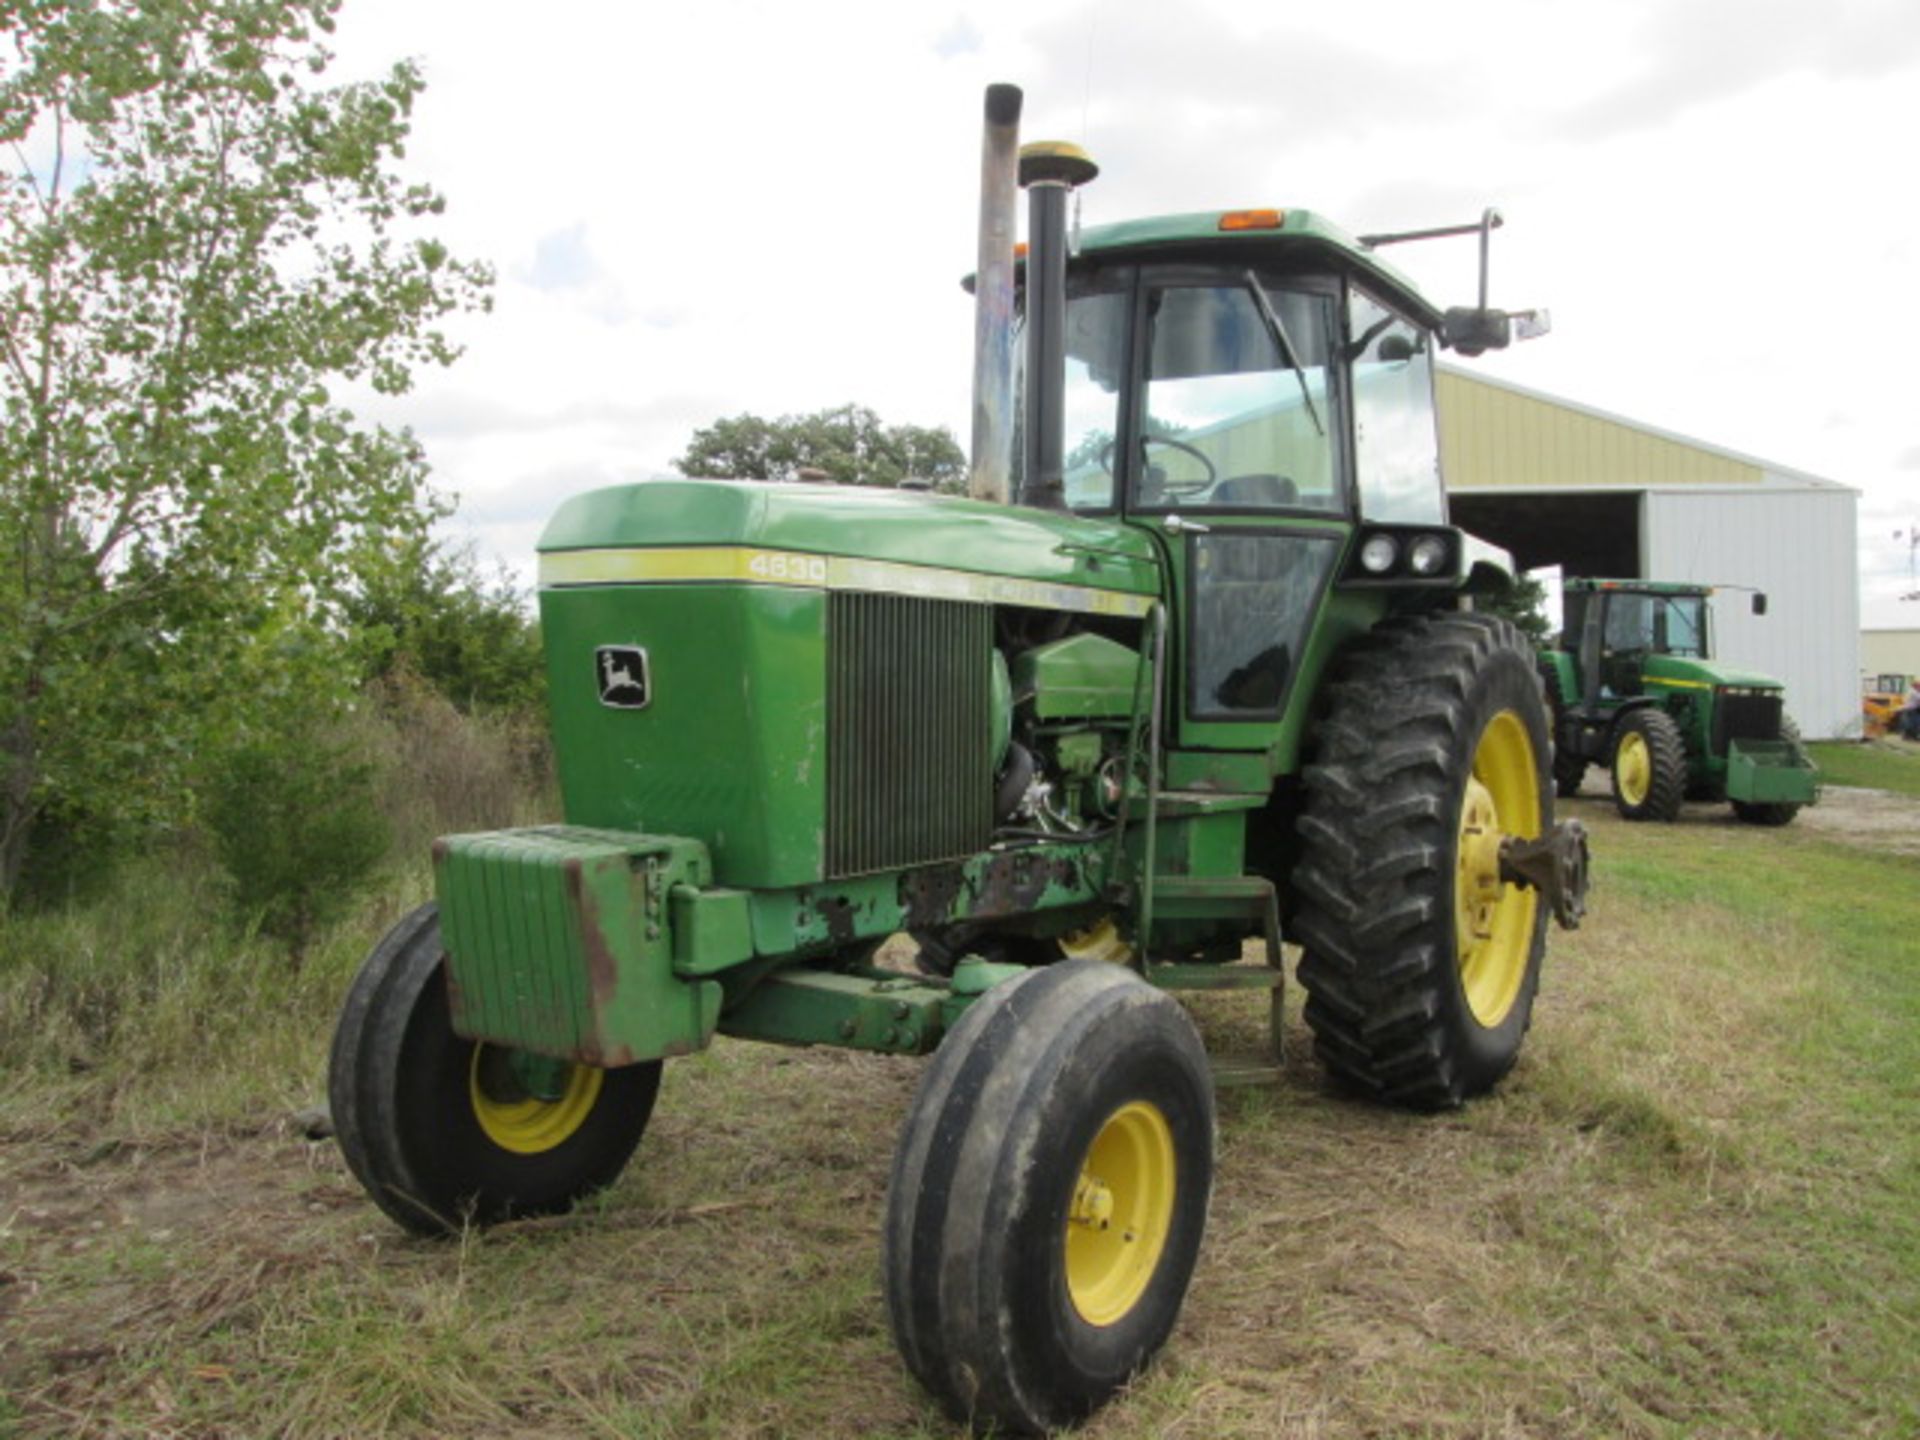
(1694, 1208)
(1889, 764)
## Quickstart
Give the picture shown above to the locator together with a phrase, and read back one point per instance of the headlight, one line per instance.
(1427, 555)
(1378, 554)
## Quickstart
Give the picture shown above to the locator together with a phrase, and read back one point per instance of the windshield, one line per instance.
(1237, 411)
(1657, 624)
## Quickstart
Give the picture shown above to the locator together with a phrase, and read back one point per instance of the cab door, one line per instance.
(1237, 463)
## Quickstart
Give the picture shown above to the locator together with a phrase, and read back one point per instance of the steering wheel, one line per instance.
(1176, 488)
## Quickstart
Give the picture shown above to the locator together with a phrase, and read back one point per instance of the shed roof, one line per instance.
(1495, 434)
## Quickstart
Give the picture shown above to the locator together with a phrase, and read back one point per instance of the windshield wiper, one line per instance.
(1278, 330)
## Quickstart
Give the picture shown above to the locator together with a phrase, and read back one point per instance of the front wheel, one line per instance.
(1421, 962)
(1649, 766)
(1756, 812)
(444, 1131)
(1048, 1196)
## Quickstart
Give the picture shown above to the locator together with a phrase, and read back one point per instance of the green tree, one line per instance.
(297, 826)
(435, 612)
(1525, 604)
(849, 443)
(197, 240)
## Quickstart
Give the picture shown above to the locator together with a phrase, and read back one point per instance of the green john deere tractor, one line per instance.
(1635, 687)
(1215, 679)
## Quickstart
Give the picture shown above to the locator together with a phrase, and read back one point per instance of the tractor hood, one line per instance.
(1694, 674)
(848, 537)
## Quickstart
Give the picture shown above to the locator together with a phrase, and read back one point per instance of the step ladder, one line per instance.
(1223, 897)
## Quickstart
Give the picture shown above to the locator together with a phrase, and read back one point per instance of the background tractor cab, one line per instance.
(1635, 687)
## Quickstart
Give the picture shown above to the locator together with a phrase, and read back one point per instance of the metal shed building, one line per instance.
(1559, 483)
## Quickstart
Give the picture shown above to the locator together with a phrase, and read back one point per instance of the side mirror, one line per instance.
(1759, 602)
(1471, 330)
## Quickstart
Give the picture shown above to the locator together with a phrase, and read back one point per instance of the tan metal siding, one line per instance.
(1492, 436)
(1890, 652)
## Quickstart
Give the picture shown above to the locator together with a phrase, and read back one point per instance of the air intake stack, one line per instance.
(1049, 169)
(993, 398)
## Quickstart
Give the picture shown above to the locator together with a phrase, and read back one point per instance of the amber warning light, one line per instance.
(1253, 219)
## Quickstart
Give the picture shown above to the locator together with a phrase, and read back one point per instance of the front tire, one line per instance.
(1420, 965)
(444, 1131)
(1765, 813)
(1649, 766)
(1048, 1196)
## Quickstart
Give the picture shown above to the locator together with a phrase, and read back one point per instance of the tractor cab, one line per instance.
(1635, 686)
(1254, 391)
(1622, 635)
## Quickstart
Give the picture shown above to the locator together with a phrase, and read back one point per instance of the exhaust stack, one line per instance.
(1048, 170)
(993, 399)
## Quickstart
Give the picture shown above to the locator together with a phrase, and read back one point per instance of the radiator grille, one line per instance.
(1745, 717)
(909, 776)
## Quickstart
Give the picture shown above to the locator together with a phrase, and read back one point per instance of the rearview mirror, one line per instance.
(1759, 602)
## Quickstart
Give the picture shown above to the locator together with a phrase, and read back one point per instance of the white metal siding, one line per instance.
(1798, 546)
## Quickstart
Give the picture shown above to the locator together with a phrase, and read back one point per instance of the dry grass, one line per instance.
(1694, 1209)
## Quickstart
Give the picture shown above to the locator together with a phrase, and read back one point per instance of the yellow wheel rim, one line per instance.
(1494, 921)
(1122, 1210)
(1633, 768)
(1099, 941)
(525, 1123)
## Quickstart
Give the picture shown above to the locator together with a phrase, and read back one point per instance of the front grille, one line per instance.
(909, 698)
(1739, 716)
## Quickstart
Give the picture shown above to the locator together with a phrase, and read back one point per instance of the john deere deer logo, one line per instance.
(622, 674)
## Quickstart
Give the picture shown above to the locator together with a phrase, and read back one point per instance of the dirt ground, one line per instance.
(1873, 819)
(1877, 820)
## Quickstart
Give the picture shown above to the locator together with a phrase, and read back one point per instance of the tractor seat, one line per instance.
(1263, 490)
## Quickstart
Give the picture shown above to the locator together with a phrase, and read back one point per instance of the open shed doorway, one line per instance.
(1584, 532)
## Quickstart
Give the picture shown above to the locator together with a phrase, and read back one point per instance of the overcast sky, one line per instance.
(706, 209)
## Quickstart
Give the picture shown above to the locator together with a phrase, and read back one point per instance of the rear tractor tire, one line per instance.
(1048, 1196)
(1569, 770)
(1649, 766)
(1569, 766)
(1421, 965)
(445, 1131)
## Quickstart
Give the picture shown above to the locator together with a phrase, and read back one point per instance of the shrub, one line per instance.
(297, 825)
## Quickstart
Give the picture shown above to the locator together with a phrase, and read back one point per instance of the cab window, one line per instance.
(1237, 412)
(1396, 442)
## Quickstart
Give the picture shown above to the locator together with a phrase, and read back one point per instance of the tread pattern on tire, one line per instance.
(1374, 891)
(1569, 766)
(957, 1245)
(1667, 761)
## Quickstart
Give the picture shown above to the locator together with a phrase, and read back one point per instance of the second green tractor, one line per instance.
(1635, 687)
